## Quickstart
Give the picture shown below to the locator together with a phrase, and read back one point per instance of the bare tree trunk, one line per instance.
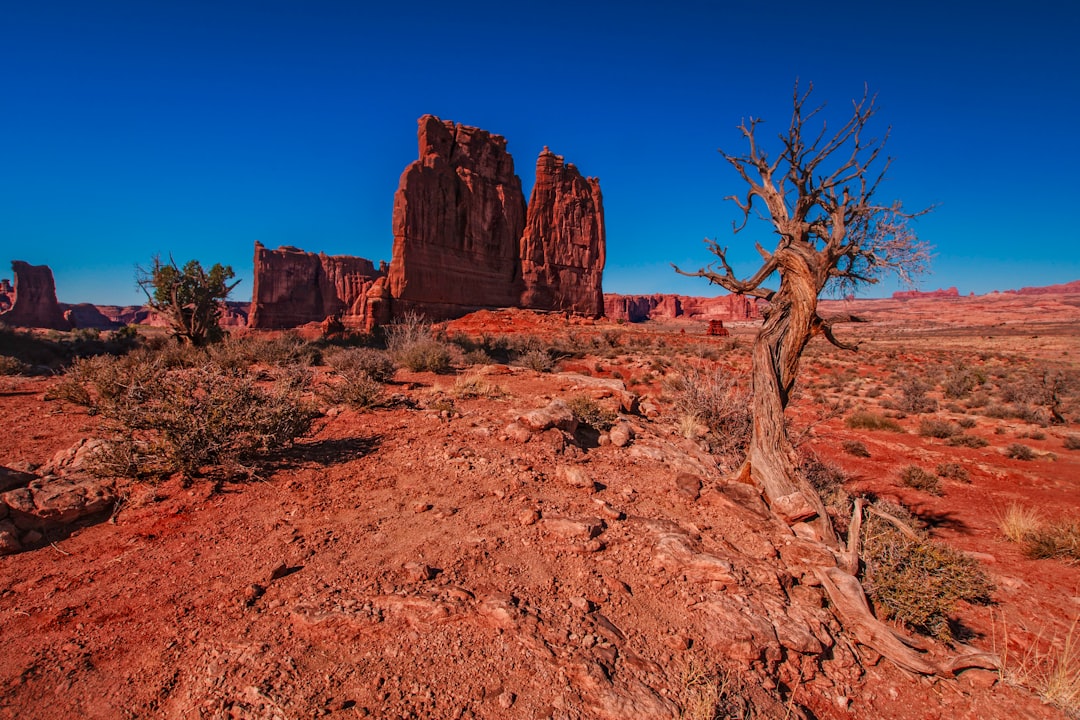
(771, 462)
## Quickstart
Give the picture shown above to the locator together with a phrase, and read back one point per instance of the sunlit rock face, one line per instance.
(563, 246)
(33, 299)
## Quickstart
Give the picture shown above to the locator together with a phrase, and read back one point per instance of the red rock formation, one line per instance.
(293, 287)
(34, 303)
(1063, 289)
(637, 308)
(459, 213)
(917, 294)
(563, 247)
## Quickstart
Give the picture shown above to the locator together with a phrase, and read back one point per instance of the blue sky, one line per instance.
(197, 127)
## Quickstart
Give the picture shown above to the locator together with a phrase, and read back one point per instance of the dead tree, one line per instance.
(820, 196)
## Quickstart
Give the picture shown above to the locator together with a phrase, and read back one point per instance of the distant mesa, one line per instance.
(638, 308)
(31, 301)
(930, 294)
(464, 240)
(1063, 288)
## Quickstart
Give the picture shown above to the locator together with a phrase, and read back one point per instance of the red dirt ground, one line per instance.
(416, 562)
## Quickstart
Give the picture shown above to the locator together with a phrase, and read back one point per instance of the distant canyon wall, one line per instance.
(31, 301)
(464, 240)
(638, 308)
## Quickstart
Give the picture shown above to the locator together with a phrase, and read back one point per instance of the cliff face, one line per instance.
(638, 308)
(293, 287)
(33, 299)
(459, 212)
(563, 247)
(916, 294)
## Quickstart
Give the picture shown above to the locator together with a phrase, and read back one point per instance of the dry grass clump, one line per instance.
(1052, 673)
(865, 420)
(1071, 442)
(359, 377)
(917, 581)
(915, 477)
(721, 401)
(12, 366)
(469, 387)
(412, 343)
(1018, 521)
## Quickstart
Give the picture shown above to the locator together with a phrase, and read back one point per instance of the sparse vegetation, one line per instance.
(191, 298)
(589, 412)
(968, 441)
(1019, 451)
(915, 477)
(719, 400)
(856, 448)
(413, 344)
(953, 471)
(936, 428)
(1071, 442)
(865, 420)
(917, 581)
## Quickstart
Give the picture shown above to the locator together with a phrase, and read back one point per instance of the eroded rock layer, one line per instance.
(33, 298)
(459, 213)
(638, 308)
(563, 246)
(293, 287)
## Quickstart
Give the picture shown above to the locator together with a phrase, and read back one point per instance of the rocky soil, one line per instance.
(467, 552)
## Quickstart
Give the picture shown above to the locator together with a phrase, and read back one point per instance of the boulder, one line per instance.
(55, 502)
(563, 246)
(459, 213)
(33, 299)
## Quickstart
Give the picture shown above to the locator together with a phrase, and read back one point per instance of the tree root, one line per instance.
(849, 601)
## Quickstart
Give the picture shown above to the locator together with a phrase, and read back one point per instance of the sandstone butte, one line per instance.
(32, 301)
(464, 240)
(638, 308)
(939, 294)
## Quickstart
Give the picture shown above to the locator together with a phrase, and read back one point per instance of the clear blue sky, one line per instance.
(196, 127)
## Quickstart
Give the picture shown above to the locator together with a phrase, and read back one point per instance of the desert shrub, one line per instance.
(874, 391)
(966, 422)
(474, 386)
(413, 344)
(913, 397)
(935, 428)
(968, 441)
(371, 363)
(1019, 451)
(1071, 442)
(589, 412)
(12, 366)
(1058, 540)
(856, 448)
(953, 471)
(960, 381)
(864, 420)
(288, 348)
(535, 359)
(915, 477)
(917, 581)
(186, 419)
(720, 400)
(1032, 435)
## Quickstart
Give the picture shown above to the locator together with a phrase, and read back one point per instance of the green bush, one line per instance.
(917, 582)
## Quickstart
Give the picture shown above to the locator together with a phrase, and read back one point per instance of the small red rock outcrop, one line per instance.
(638, 308)
(293, 287)
(917, 294)
(459, 213)
(563, 246)
(33, 299)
